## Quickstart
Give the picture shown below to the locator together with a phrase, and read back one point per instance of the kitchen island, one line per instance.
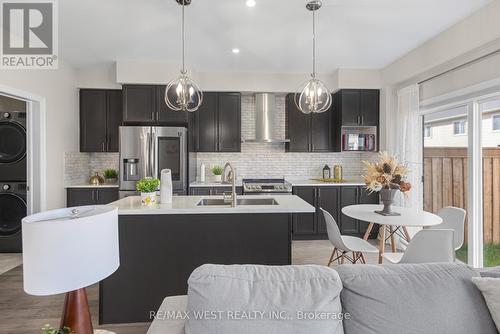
(162, 244)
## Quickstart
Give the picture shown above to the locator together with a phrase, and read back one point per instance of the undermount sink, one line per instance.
(239, 201)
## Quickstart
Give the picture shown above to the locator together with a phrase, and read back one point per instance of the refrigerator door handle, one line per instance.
(154, 153)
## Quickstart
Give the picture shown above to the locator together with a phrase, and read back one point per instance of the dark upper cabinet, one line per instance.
(145, 104)
(204, 126)
(307, 132)
(216, 126)
(139, 103)
(349, 106)
(100, 119)
(165, 114)
(369, 107)
(305, 223)
(229, 122)
(321, 132)
(328, 200)
(357, 107)
(297, 129)
(114, 119)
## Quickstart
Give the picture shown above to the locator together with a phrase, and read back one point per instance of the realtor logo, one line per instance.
(29, 34)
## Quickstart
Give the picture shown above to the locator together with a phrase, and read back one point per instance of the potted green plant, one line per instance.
(110, 175)
(217, 172)
(148, 187)
(47, 329)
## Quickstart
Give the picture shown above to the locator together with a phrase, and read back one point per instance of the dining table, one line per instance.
(397, 224)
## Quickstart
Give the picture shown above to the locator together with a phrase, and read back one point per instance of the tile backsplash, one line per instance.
(78, 167)
(271, 160)
(255, 160)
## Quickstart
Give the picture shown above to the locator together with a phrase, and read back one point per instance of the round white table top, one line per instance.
(409, 216)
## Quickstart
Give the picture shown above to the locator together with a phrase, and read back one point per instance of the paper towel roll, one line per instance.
(166, 186)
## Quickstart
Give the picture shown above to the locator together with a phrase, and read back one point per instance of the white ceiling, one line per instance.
(273, 36)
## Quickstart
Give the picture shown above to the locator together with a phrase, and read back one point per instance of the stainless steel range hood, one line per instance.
(265, 119)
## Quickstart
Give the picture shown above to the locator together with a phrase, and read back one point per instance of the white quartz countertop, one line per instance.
(213, 184)
(313, 183)
(92, 186)
(188, 205)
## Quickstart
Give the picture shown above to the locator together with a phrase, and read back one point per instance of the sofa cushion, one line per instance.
(256, 299)
(490, 288)
(413, 298)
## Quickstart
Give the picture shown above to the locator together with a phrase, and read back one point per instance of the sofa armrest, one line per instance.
(168, 318)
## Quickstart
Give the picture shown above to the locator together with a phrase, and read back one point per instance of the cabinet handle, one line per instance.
(362, 119)
(359, 120)
(97, 195)
(103, 146)
(93, 194)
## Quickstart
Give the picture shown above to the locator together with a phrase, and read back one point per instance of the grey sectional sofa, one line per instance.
(379, 299)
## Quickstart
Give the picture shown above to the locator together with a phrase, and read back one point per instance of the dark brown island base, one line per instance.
(161, 245)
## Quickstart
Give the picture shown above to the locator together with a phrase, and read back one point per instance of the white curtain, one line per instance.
(404, 140)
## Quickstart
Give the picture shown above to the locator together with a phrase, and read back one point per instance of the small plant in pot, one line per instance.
(148, 187)
(111, 176)
(386, 176)
(217, 172)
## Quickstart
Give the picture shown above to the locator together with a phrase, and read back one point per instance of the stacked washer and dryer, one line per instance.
(13, 173)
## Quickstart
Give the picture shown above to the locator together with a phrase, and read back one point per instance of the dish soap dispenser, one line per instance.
(326, 172)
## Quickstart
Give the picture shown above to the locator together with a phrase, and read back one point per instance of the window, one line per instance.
(459, 127)
(427, 131)
(496, 123)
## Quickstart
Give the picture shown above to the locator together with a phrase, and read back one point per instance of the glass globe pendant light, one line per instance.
(183, 93)
(313, 96)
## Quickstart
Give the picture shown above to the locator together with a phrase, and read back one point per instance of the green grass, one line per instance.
(491, 255)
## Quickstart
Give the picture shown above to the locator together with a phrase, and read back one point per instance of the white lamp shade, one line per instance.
(63, 251)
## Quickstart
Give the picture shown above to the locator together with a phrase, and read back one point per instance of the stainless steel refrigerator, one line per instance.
(146, 150)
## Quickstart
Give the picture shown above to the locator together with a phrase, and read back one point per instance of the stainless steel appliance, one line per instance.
(266, 186)
(13, 208)
(146, 150)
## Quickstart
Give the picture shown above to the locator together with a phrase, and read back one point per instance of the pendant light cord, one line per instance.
(314, 44)
(183, 38)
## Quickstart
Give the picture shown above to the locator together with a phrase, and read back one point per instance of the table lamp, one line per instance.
(66, 250)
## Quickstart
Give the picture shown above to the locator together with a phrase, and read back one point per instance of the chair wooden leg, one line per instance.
(342, 259)
(407, 235)
(381, 248)
(368, 231)
(338, 258)
(354, 257)
(362, 258)
(393, 241)
(332, 256)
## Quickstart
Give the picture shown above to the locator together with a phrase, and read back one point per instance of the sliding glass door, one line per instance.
(461, 168)
(490, 141)
(446, 141)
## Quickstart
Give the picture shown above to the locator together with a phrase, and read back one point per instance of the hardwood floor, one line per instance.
(22, 313)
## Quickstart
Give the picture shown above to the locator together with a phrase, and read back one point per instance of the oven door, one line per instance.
(169, 147)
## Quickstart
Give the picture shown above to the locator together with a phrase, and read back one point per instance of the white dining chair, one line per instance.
(426, 246)
(453, 219)
(343, 244)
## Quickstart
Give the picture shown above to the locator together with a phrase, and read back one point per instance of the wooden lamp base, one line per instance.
(76, 313)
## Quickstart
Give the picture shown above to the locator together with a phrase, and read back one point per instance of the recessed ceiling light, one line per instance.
(250, 3)
(236, 51)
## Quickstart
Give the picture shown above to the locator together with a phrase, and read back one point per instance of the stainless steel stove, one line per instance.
(266, 186)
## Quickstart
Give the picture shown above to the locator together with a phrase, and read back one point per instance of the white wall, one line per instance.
(476, 33)
(59, 89)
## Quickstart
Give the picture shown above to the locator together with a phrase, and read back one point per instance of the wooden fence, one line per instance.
(445, 183)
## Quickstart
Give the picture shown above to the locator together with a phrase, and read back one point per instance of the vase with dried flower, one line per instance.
(387, 177)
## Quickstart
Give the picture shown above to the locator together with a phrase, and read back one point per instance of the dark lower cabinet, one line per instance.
(331, 199)
(210, 191)
(305, 223)
(90, 196)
